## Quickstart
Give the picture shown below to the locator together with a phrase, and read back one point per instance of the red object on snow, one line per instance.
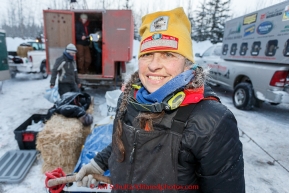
(57, 173)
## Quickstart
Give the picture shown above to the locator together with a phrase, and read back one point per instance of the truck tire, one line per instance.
(243, 96)
(43, 70)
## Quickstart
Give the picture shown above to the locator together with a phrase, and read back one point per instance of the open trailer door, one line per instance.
(117, 38)
(58, 31)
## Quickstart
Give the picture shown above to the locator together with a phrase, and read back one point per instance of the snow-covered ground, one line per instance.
(267, 126)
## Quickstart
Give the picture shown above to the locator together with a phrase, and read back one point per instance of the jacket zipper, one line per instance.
(132, 155)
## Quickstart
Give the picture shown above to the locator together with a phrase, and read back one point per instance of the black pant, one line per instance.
(67, 87)
(98, 63)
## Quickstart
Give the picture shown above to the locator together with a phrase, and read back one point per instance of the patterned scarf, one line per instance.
(178, 82)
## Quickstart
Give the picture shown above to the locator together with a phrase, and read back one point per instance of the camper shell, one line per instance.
(116, 44)
(261, 36)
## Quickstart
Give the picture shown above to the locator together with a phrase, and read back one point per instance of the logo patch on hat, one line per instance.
(157, 36)
(159, 42)
(160, 24)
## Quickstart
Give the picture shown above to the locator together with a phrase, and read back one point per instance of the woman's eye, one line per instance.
(168, 54)
(146, 55)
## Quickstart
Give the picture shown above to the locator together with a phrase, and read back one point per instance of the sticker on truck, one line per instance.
(274, 13)
(286, 14)
(249, 30)
(265, 28)
(250, 19)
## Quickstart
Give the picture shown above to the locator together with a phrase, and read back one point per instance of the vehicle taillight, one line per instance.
(30, 59)
(279, 78)
(17, 60)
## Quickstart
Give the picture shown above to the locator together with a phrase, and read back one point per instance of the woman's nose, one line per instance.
(155, 63)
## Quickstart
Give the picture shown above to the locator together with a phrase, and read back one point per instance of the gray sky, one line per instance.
(238, 7)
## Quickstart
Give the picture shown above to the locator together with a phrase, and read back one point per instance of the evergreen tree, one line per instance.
(210, 20)
(201, 24)
(218, 13)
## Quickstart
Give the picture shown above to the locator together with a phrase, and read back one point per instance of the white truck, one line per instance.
(253, 59)
(30, 58)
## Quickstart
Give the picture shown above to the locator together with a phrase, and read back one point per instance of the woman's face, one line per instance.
(157, 68)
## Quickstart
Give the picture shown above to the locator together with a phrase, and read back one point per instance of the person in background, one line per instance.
(171, 132)
(83, 56)
(97, 47)
(65, 67)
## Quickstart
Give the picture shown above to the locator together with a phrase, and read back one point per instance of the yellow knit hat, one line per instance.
(166, 31)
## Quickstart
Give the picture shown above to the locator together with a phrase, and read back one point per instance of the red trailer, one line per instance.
(117, 40)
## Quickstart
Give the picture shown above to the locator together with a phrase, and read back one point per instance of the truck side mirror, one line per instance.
(198, 55)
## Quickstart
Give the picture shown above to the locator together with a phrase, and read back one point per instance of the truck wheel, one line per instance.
(43, 70)
(243, 96)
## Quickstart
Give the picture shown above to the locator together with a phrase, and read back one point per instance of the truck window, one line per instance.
(217, 51)
(225, 49)
(42, 46)
(286, 49)
(271, 47)
(233, 49)
(256, 47)
(243, 49)
(34, 46)
(208, 51)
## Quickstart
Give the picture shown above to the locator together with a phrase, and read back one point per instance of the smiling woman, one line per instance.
(156, 69)
(170, 128)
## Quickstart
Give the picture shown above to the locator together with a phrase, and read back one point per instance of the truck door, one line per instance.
(59, 31)
(223, 70)
(209, 61)
(4, 68)
(117, 39)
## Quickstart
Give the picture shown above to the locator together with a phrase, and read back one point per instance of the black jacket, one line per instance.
(66, 69)
(210, 153)
(71, 105)
(79, 32)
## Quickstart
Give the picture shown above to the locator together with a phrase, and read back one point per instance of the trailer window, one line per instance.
(233, 49)
(286, 49)
(225, 49)
(271, 47)
(243, 49)
(256, 47)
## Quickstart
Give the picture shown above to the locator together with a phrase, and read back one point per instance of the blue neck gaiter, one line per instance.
(68, 55)
(180, 81)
